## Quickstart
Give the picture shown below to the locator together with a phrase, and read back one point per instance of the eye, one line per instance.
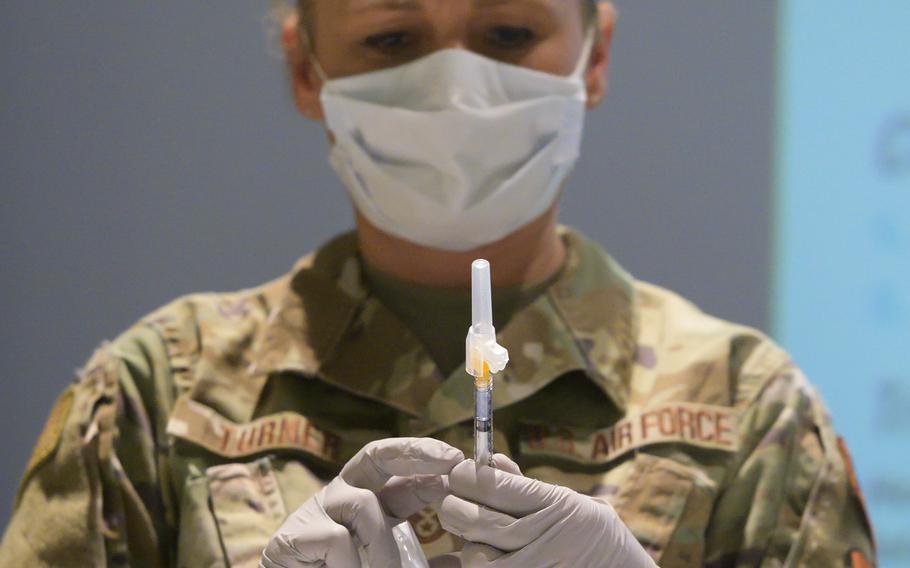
(510, 37)
(389, 41)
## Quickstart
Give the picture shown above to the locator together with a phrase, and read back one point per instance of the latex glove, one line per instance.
(387, 481)
(511, 521)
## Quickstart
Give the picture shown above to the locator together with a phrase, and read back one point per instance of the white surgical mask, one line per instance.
(455, 150)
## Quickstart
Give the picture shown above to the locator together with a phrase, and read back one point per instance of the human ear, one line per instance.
(305, 83)
(596, 76)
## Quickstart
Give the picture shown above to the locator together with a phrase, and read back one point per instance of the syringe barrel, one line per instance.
(483, 425)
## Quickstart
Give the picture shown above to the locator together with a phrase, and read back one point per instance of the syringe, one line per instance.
(483, 358)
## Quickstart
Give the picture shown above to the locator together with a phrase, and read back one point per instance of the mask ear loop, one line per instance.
(586, 48)
(311, 55)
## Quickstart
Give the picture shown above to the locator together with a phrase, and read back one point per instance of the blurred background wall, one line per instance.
(841, 293)
(149, 150)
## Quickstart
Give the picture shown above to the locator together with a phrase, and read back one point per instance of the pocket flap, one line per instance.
(248, 508)
(667, 506)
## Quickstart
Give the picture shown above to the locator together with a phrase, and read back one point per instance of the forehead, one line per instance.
(410, 4)
(358, 6)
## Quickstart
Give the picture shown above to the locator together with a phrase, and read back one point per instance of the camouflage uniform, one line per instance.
(188, 439)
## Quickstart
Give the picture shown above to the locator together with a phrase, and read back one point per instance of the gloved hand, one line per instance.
(386, 482)
(511, 521)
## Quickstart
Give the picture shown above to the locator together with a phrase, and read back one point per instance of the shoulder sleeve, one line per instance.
(791, 498)
(91, 494)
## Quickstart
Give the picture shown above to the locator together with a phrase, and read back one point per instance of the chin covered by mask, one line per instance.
(455, 150)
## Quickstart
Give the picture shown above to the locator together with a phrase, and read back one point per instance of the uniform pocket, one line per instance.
(667, 506)
(248, 508)
(198, 544)
(229, 514)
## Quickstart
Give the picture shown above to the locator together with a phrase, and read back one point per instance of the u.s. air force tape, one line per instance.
(200, 425)
(702, 425)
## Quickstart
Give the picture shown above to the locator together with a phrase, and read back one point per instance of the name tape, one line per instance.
(200, 425)
(706, 426)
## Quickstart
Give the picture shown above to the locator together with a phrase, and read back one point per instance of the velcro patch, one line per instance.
(199, 424)
(854, 484)
(50, 436)
(702, 425)
(859, 560)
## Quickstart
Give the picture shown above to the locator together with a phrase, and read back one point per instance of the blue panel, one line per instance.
(842, 283)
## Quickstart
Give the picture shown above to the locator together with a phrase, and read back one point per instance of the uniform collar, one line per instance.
(324, 323)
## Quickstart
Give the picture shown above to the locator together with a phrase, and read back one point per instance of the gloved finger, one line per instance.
(506, 492)
(403, 496)
(380, 460)
(505, 463)
(359, 511)
(298, 545)
(474, 523)
(266, 562)
(451, 560)
(474, 555)
(480, 524)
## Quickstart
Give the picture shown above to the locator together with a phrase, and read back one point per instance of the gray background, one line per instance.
(150, 149)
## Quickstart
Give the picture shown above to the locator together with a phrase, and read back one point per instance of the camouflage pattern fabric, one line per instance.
(188, 439)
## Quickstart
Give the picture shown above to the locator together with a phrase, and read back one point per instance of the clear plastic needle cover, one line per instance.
(480, 345)
(483, 358)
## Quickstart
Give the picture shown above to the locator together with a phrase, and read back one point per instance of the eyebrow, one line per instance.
(366, 5)
(485, 3)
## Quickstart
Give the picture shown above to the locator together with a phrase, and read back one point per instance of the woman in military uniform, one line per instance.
(294, 422)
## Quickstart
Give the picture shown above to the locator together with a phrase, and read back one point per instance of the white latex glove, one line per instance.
(386, 482)
(511, 521)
